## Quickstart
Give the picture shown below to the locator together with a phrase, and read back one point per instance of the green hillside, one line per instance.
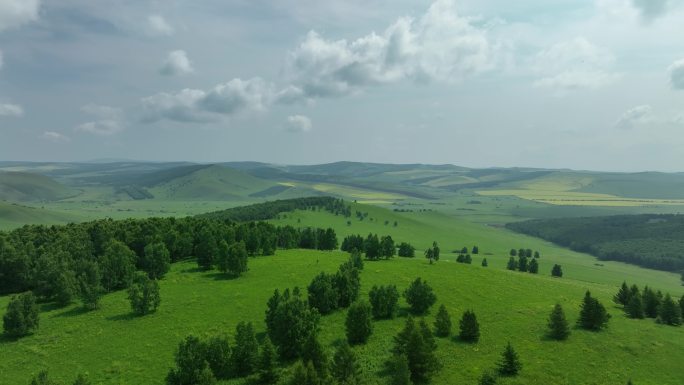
(25, 187)
(14, 215)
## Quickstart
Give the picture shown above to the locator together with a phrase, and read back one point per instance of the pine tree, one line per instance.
(622, 296)
(217, 355)
(558, 324)
(443, 322)
(400, 374)
(345, 368)
(681, 304)
(470, 329)
(484, 262)
(533, 266)
(191, 365)
(417, 345)
(487, 378)
(512, 264)
(593, 315)
(651, 303)
(383, 300)
(522, 263)
(635, 308)
(669, 313)
(510, 363)
(557, 271)
(315, 354)
(245, 354)
(21, 317)
(420, 296)
(267, 367)
(358, 324)
(304, 374)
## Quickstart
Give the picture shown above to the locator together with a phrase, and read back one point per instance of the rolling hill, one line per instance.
(31, 187)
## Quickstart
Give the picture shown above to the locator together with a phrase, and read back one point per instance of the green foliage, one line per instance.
(315, 354)
(117, 266)
(267, 368)
(484, 262)
(82, 379)
(557, 271)
(245, 354)
(522, 263)
(387, 248)
(398, 367)
(358, 324)
(156, 260)
(418, 346)
(420, 296)
(206, 250)
(406, 250)
(513, 253)
(290, 321)
(487, 378)
(218, 356)
(356, 260)
(469, 327)
(558, 324)
(345, 368)
(232, 259)
(42, 379)
(90, 289)
(623, 295)
(510, 363)
(533, 267)
(651, 303)
(191, 365)
(372, 247)
(323, 294)
(304, 374)
(384, 300)
(635, 308)
(432, 253)
(269, 210)
(512, 264)
(443, 322)
(670, 313)
(144, 294)
(21, 317)
(347, 282)
(593, 315)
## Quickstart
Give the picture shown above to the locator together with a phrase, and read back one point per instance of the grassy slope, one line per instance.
(13, 215)
(24, 186)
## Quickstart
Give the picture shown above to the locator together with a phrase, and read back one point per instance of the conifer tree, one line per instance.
(651, 303)
(267, 367)
(558, 324)
(522, 263)
(622, 296)
(557, 271)
(400, 374)
(512, 264)
(345, 368)
(443, 322)
(420, 296)
(593, 315)
(217, 355)
(681, 304)
(191, 365)
(484, 262)
(245, 354)
(21, 317)
(487, 378)
(533, 266)
(358, 324)
(415, 343)
(383, 300)
(470, 329)
(510, 363)
(305, 374)
(315, 354)
(635, 308)
(669, 313)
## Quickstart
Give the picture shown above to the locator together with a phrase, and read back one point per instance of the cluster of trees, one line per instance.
(329, 292)
(649, 240)
(524, 253)
(432, 253)
(464, 259)
(372, 246)
(270, 210)
(650, 304)
(523, 264)
(475, 250)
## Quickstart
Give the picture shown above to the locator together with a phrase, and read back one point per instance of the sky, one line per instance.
(582, 84)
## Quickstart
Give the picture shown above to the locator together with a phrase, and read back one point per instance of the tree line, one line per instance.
(271, 209)
(649, 303)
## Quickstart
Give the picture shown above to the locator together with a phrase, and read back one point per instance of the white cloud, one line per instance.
(225, 99)
(55, 137)
(298, 123)
(651, 9)
(176, 63)
(158, 26)
(574, 64)
(440, 45)
(637, 116)
(108, 120)
(676, 71)
(11, 110)
(15, 13)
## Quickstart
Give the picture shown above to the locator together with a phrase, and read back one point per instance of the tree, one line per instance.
(622, 296)
(406, 250)
(536, 255)
(670, 313)
(513, 253)
(557, 271)
(117, 265)
(191, 366)
(356, 260)
(430, 255)
(315, 354)
(144, 294)
(635, 308)
(487, 378)
(522, 263)
(347, 283)
(470, 328)
(558, 324)
(90, 289)
(290, 321)
(387, 248)
(218, 354)
(484, 262)
(245, 354)
(21, 317)
(372, 247)
(267, 367)
(81, 379)
(512, 264)
(475, 250)
(593, 315)
(358, 323)
(681, 304)
(42, 379)
(206, 249)
(323, 294)
(533, 266)
(156, 260)
(651, 303)
(398, 366)
(345, 368)
(383, 301)
(232, 259)
(510, 363)
(304, 374)
(411, 342)
(443, 322)
(419, 296)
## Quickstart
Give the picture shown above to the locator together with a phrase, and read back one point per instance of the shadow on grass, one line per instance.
(457, 339)
(73, 312)
(192, 270)
(122, 317)
(50, 306)
(7, 339)
(218, 276)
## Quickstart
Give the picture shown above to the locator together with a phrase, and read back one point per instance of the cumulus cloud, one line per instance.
(676, 71)
(158, 26)
(176, 63)
(574, 64)
(15, 13)
(440, 45)
(651, 9)
(11, 110)
(107, 120)
(298, 123)
(55, 137)
(190, 105)
(637, 116)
